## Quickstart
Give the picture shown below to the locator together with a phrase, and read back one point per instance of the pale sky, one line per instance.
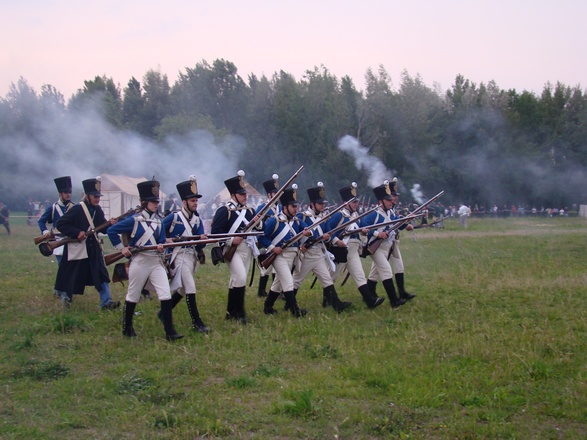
(519, 44)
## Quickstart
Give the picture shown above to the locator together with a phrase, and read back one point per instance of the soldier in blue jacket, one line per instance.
(315, 259)
(184, 260)
(271, 187)
(233, 217)
(145, 229)
(54, 213)
(278, 230)
(380, 266)
(352, 243)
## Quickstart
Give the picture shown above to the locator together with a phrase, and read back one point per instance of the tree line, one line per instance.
(480, 144)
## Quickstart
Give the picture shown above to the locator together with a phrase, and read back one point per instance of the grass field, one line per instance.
(493, 347)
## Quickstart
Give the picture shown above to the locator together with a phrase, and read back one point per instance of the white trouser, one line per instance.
(313, 260)
(239, 266)
(147, 266)
(380, 266)
(354, 264)
(283, 265)
(185, 265)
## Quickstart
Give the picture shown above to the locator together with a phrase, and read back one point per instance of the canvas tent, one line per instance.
(120, 193)
(223, 195)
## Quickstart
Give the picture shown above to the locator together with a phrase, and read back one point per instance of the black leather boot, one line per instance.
(390, 289)
(175, 299)
(372, 287)
(399, 279)
(269, 302)
(241, 316)
(371, 300)
(231, 308)
(337, 304)
(261, 292)
(127, 315)
(197, 323)
(286, 306)
(292, 304)
(326, 299)
(167, 314)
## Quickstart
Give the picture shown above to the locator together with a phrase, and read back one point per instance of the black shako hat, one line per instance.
(348, 192)
(393, 187)
(63, 184)
(272, 185)
(317, 194)
(290, 196)
(188, 189)
(236, 185)
(93, 186)
(382, 192)
(148, 191)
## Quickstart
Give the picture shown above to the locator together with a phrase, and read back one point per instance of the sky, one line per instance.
(516, 43)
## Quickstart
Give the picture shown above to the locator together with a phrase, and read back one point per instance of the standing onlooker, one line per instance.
(463, 212)
(4, 217)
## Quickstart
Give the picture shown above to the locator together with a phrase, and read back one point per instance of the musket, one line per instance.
(353, 220)
(226, 235)
(229, 253)
(41, 238)
(425, 225)
(270, 258)
(374, 245)
(312, 241)
(46, 248)
(115, 256)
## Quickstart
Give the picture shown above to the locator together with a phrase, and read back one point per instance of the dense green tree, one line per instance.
(101, 94)
(132, 106)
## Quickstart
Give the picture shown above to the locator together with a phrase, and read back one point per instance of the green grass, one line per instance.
(494, 346)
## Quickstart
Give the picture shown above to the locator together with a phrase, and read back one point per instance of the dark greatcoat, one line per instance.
(73, 276)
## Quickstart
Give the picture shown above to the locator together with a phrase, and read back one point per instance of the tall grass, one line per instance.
(493, 346)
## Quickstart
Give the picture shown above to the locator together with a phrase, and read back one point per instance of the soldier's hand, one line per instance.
(113, 220)
(126, 251)
(47, 234)
(201, 256)
(383, 235)
(409, 227)
(203, 237)
(237, 240)
(277, 250)
(341, 243)
(160, 248)
(326, 236)
(306, 233)
(81, 236)
(364, 231)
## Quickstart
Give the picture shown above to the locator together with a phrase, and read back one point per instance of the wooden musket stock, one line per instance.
(115, 256)
(374, 245)
(47, 247)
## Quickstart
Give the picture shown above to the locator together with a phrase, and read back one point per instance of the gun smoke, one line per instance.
(378, 172)
(85, 145)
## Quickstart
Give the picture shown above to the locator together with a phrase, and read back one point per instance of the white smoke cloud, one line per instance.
(378, 172)
(417, 194)
(85, 145)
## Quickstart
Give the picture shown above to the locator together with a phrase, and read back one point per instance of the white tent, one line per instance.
(120, 193)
